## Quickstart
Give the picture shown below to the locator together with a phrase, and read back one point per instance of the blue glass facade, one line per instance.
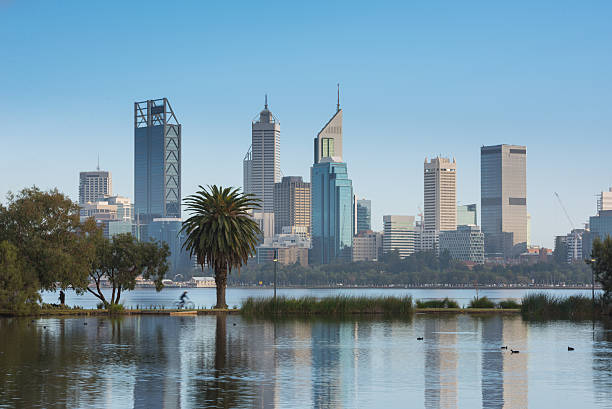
(332, 213)
(601, 225)
(169, 231)
(157, 161)
(364, 215)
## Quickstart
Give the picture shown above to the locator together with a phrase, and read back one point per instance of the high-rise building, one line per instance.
(328, 143)
(367, 246)
(363, 215)
(466, 215)
(94, 186)
(332, 213)
(264, 159)
(331, 197)
(113, 214)
(157, 161)
(503, 187)
(247, 166)
(399, 235)
(464, 244)
(604, 202)
(440, 194)
(291, 204)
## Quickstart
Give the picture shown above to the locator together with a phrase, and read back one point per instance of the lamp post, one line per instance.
(275, 261)
(593, 281)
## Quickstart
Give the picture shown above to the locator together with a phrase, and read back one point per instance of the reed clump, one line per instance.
(337, 305)
(546, 306)
(445, 303)
(509, 305)
(481, 302)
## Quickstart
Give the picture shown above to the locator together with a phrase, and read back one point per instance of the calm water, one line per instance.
(206, 297)
(228, 361)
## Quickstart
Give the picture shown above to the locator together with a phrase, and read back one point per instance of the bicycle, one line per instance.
(187, 305)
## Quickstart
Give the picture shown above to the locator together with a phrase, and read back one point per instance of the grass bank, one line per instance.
(338, 305)
(576, 307)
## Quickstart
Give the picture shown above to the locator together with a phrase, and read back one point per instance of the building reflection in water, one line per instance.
(602, 361)
(504, 375)
(440, 362)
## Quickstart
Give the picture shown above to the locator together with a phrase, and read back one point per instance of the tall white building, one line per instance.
(440, 194)
(94, 186)
(265, 159)
(399, 234)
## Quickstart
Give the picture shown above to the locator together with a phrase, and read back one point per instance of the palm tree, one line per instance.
(220, 231)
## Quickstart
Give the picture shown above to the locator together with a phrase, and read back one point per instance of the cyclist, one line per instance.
(183, 299)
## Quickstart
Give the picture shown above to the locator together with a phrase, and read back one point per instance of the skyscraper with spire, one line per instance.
(331, 196)
(261, 165)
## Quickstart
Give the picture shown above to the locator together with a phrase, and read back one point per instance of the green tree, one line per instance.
(121, 260)
(220, 231)
(18, 284)
(44, 227)
(601, 263)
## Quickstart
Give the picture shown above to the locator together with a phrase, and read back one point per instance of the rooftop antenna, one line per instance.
(266, 104)
(338, 106)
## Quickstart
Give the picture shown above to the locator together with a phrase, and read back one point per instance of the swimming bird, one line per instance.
(504, 347)
(419, 338)
(570, 348)
(514, 352)
(84, 323)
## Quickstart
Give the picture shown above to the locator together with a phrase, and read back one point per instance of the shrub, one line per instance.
(509, 304)
(482, 302)
(115, 308)
(445, 303)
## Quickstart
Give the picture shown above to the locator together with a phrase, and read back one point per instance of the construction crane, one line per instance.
(574, 233)
(565, 211)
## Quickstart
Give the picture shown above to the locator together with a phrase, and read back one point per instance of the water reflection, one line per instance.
(225, 361)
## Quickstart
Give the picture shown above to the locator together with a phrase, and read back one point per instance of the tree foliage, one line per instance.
(18, 283)
(220, 232)
(121, 260)
(601, 263)
(45, 230)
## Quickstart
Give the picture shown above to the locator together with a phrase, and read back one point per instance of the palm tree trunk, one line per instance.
(221, 282)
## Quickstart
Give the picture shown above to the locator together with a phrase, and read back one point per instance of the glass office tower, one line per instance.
(332, 213)
(157, 161)
(503, 186)
(363, 215)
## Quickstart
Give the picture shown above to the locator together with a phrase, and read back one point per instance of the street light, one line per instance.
(275, 261)
(593, 260)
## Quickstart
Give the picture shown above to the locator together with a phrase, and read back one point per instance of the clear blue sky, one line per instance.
(417, 79)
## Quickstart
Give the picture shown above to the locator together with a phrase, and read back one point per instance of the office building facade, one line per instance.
(466, 243)
(363, 215)
(503, 184)
(440, 194)
(332, 213)
(467, 215)
(399, 235)
(94, 186)
(291, 204)
(157, 161)
(264, 160)
(367, 246)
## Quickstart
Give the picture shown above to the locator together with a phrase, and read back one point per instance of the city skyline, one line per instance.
(429, 96)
